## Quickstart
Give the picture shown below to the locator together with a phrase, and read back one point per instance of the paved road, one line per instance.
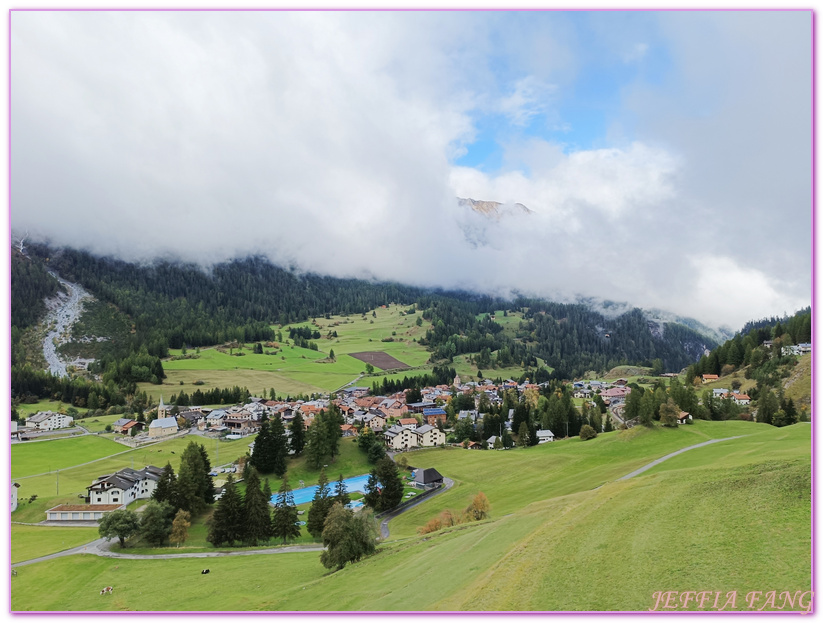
(448, 483)
(681, 451)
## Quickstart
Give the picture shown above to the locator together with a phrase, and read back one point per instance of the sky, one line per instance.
(665, 156)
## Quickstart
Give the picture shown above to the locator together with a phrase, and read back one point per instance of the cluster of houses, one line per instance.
(725, 394)
(794, 349)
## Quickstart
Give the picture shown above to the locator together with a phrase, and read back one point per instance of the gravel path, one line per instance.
(681, 451)
(64, 311)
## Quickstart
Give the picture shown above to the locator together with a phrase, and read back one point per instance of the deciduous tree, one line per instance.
(347, 537)
(156, 522)
(180, 527)
(121, 524)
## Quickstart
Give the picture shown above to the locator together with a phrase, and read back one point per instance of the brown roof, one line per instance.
(86, 507)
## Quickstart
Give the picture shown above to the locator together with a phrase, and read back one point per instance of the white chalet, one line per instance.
(49, 420)
(125, 486)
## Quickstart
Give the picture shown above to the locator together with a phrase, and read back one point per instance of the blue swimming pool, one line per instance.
(306, 494)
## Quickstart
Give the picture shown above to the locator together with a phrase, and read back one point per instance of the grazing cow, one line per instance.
(204, 571)
(108, 589)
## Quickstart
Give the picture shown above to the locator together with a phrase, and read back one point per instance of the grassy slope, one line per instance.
(724, 526)
(43, 456)
(29, 542)
(73, 481)
(512, 479)
(799, 384)
(296, 370)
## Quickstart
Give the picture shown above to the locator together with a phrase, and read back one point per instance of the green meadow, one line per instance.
(511, 479)
(38, 457)
(72, 481)
(29, 542)
(564, 534)
(294, 370)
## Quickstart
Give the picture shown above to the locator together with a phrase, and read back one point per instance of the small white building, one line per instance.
(544, 436)
(163, 427)
(49, 420)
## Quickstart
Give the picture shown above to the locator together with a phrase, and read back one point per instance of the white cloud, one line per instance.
(326, 139)
(529, 98)
(611, 183)
(725, 289)
(637, 52)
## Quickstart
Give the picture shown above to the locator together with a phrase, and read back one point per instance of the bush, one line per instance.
(587, 432)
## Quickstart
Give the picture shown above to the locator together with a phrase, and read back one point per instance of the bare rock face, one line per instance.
(494, 209)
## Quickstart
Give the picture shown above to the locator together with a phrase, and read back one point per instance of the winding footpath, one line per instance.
(100, 547)
(670, 455)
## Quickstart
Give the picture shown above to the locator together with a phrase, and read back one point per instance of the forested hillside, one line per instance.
(31, 284)
(767, 356)
(172, 305)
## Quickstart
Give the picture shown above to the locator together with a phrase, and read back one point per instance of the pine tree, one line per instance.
(319, 506)
(647, 409)
(523, 435)
(384, 489)
(298, 434)
(608, 427)
(166, 490)
(284, 520)
(341, 494)
(263, 454)
(227, 521)
(256, 516)
(279, 445)
(207, 480)
(767, 406)
(190, 483)
(332, 423)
